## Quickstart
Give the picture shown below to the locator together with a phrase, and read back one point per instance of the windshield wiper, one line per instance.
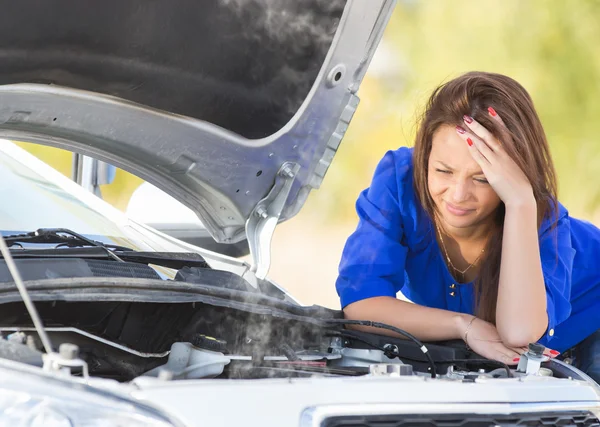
(63, 237)
(78, 246)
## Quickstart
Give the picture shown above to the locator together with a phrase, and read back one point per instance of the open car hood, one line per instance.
(234, 107)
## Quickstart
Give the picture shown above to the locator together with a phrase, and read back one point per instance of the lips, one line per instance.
(457, 211)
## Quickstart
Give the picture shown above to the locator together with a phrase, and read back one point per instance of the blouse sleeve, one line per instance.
(557, 256)
(373, 259)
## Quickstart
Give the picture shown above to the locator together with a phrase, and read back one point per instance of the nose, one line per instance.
(460, 192)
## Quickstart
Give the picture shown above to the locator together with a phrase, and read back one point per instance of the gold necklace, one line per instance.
(462, 273)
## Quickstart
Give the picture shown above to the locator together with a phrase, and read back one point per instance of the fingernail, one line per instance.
(468, 119)
(460, 130)
(554, 352)
(469, 141)
(516, 359)
(492, 112)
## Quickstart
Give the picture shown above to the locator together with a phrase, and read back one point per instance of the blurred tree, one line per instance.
(549, 47)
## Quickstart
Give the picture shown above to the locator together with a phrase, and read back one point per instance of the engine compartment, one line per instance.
(178, 341)
(121, 321)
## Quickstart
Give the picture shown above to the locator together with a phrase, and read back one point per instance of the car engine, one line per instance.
(127, 340)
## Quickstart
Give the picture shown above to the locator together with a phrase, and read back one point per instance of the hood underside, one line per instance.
(223, 104)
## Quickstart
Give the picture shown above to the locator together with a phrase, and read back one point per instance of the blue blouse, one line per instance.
(394, 249)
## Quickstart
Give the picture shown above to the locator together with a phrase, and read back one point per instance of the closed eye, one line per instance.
(442, 171)
(482, 180)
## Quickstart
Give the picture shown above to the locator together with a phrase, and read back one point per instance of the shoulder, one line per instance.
(395, 168)
(403, 160)
(557, 218)
(567, 235)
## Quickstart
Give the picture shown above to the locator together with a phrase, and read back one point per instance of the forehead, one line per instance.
(449, 148)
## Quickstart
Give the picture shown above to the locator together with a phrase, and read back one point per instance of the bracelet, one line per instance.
(467, 332)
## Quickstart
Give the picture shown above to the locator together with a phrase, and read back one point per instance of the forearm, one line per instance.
(521, 307)
(427, 324)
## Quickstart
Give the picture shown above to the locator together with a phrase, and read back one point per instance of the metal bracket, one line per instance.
(265, 216)
(531, 361)
(66, 359)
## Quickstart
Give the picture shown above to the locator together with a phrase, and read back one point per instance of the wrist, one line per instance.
(522, 203)
(461, 324)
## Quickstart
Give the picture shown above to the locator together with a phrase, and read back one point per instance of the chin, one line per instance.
(458, 221)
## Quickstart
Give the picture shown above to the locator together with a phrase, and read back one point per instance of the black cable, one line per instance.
(449, 361)
(481, 362)
(402, 332)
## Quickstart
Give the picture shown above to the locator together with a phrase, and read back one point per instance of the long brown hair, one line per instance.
(523, 139)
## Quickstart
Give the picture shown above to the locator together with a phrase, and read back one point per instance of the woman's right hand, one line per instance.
(483, 339)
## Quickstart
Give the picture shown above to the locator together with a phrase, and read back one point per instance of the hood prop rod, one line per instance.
(14, 271)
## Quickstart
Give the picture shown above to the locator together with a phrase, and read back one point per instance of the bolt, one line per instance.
(392, 348)
(261, 212)
(287, 171)
(68, 351)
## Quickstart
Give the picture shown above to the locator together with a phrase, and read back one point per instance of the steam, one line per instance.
(296, 33)
(298, 23)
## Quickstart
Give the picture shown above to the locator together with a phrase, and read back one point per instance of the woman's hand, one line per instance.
(503, 174)
(483, 339)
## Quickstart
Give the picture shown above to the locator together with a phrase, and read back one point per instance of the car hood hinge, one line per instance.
(265, 216)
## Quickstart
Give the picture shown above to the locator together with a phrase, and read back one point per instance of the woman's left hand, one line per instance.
(503, 174)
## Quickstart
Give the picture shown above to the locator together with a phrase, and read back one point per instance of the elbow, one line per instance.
(519, 340)
(354, 311)
(521, 337)
(357, 311)
(375, 309)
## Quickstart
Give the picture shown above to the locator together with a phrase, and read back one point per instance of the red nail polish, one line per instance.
(492, 112)
(554, 352)
(460, 130)
(516, 359)
(469, 141)
(468, 119)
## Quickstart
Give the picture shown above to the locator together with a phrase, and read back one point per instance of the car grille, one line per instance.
(559, 419)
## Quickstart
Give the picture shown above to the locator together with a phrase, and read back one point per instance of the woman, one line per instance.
(468, 227)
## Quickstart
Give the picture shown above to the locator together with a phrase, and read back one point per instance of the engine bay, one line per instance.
(121, 321)
(177, 341)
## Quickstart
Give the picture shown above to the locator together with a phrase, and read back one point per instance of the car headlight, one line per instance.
(31, 398)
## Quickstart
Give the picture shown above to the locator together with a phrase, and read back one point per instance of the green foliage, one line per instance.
(551, 47)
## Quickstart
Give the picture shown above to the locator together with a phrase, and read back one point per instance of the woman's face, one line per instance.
(457, 185)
